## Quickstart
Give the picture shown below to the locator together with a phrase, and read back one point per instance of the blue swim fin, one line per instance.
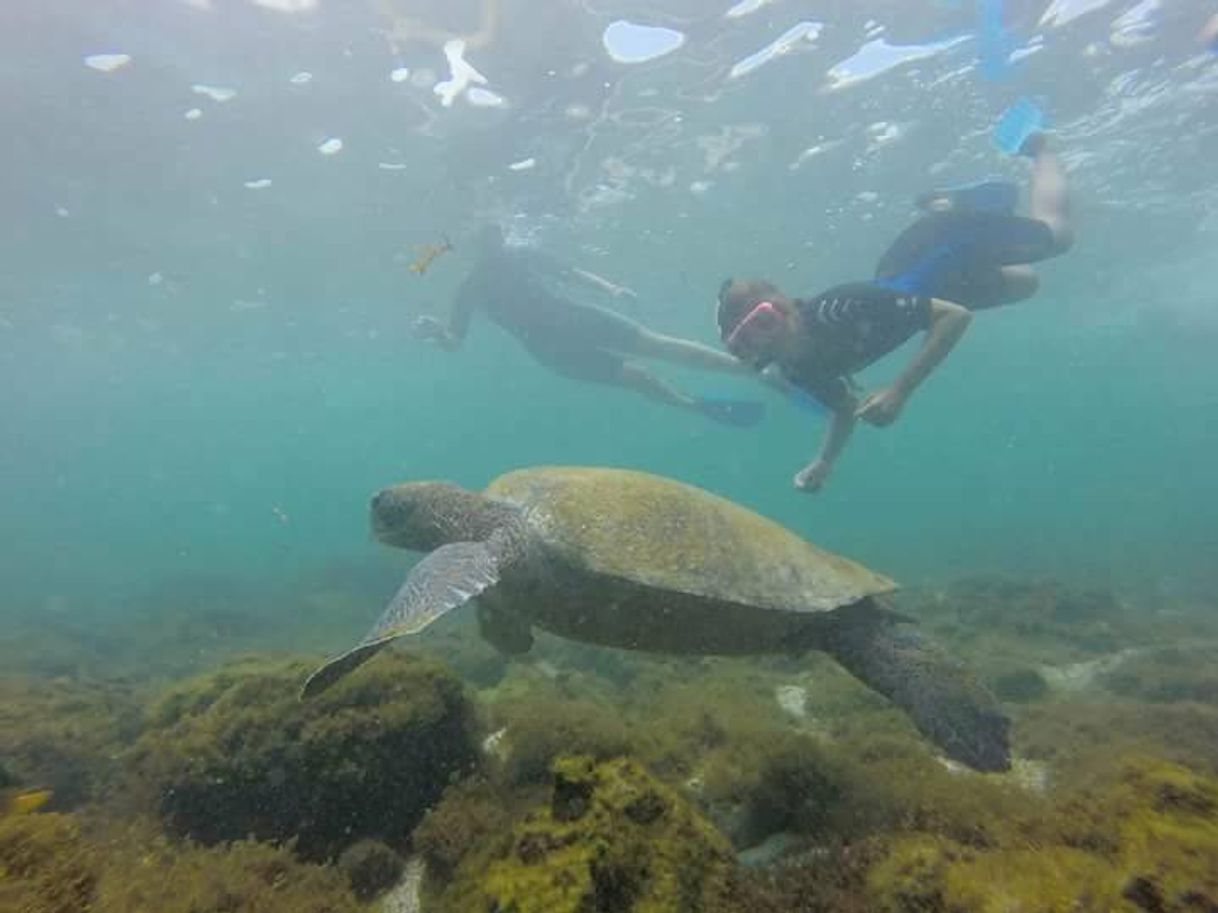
(995, 43)
(741, 413)
(1018, 122)
(807, 402)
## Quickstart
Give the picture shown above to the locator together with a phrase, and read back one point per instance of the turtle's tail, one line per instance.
(942, 696)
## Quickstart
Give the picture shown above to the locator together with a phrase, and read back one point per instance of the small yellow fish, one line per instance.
(22, 801)
(427, 253)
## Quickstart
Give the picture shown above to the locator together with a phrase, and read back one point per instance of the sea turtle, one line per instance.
(629, 559)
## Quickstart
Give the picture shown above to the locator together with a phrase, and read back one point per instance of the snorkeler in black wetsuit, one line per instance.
(956, 259)
(577, 341)
(969, 247)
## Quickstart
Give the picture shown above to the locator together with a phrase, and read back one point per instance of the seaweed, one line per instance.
(49, 863)
(543, 726)
(64, 734)
(371, 867)
(611, 838)
(46, 866)
(1146, 840)
(1021, 685)
(235, 753)
(468, 815)
(1167, 675)
(1083, 738)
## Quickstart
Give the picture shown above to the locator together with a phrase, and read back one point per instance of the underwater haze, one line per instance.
(232, 231)
(205, 309)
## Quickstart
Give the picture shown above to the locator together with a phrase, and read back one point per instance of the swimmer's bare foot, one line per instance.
(1034, 145)
(1209, 34)
(427, 328)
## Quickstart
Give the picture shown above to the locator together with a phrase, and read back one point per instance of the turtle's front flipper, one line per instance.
(941, 695)
(449, 577)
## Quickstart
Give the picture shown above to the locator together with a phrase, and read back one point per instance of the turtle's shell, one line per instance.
(667, 535)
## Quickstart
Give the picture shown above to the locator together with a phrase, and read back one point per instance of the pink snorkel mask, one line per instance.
(761, 311)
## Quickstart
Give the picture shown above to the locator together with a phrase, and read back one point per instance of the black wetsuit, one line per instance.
(847, 328)
(575, 340)
(958, 255)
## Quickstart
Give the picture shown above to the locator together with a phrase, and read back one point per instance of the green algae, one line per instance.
(1081, 737)
(1146, 841)
(64, 734)
(540, 729)
(1168, 675)
(611, 838)
(1022, 685)
(50, 864)
(236, 753)
(882, 824)
(46, 866)
(371, 868)
(1012, 627)
(468, 816)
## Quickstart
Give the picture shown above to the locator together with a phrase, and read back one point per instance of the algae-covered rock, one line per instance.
(995, 620)
(1167, 818)
(243, 877)
(781, 782)
(47, 865)
(1021, 685)
(236, 753)
(926, 874)
(469, 814)
(1168, 674)
(371, 868)
(64, 735)
(611, 839)
(1146, 842)
(539, 730)
(1077, 736)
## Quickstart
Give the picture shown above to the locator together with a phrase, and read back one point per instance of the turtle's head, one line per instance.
(422, 516)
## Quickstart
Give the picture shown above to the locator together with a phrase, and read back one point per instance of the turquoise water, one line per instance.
(205, 378)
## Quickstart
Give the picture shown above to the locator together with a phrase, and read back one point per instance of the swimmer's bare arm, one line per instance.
(449, 337)
(841, 425)
(599, 282)
(574, 275)
(947, 324)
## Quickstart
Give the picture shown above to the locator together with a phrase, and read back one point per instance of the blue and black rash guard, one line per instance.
(959, 256)
(846, 329)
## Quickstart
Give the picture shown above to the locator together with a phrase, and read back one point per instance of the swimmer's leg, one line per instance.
(1050, 197)
(1018, 283)
(605, 329)
(601, 366)
(639, 380)
(673, 349)
(739, 413)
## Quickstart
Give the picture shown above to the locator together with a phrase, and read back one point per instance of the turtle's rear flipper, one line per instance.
(447, 578)
(941, 695)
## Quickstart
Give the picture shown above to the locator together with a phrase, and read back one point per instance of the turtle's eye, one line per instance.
(385, 504)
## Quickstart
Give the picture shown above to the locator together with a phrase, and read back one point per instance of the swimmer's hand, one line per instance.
(882, 407)
(429, 329)
(812, 477)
